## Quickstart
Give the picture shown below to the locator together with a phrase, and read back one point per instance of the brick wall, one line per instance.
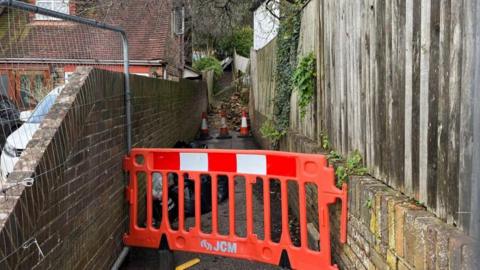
(75, 209)
(386, 229)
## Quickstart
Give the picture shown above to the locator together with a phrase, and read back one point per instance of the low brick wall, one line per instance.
(76, 209)
(386, 229)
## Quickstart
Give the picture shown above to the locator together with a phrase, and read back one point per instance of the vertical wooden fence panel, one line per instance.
(408, 125)
(443, 103)
(415, 115)
(397, 120)
(463, 212)
(433, 89)
(474, 226)
(372, 87)
(424, 94)
(451, 199)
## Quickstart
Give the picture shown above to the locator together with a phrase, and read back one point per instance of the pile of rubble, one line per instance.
(232, 106)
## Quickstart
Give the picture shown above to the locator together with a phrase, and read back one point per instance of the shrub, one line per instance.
(209, 63)
(240, 40)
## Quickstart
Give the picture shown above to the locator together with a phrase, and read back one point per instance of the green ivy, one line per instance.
(334, 157)
(342, 176)
(325, 141)
(352, 166)
(304, 81)
(287, 46)
(269, 131)
(368, 203)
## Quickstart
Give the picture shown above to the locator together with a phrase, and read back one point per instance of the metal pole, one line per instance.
(118, 263)
(128, 93)
(47, 12)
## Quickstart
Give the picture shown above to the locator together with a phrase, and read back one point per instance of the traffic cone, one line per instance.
(204, 134)
(244, 129)
(224, 128)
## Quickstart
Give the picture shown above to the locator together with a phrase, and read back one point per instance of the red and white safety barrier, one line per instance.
(285, 167)
(226, 162)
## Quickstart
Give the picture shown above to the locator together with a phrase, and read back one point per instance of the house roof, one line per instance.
(147, 28)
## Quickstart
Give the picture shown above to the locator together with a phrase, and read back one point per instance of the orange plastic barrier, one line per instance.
(284, 167)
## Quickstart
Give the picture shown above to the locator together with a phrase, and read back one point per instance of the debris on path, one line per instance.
(232, 106)
(211, 262)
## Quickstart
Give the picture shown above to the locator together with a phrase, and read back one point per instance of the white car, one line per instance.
(18, 140)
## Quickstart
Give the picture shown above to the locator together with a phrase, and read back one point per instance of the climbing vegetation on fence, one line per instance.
(289, 33)
(353, 165)
(325, 141)
(368, 203)
(304, 81)
(287, 45)
(334, 157)
(269, 131)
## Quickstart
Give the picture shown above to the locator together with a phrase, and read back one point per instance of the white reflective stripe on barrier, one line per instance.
(194, 162)
(252, 164)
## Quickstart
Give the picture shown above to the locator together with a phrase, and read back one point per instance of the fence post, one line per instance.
(209, 78)
(475, 176)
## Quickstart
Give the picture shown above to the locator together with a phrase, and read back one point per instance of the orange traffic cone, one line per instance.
(244, 129)
(204, 134)
(224, 128)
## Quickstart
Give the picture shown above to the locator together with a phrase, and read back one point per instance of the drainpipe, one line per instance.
(47, 12)
(165, 76)
(128, 112)
(128, 94)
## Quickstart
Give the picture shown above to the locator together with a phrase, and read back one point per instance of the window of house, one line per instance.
(26, 91)
(56, 5)
(178, 20)
(32, 86)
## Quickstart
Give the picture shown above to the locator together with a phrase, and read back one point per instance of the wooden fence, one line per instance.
(395, 81)
(262, 71)
(397, 85)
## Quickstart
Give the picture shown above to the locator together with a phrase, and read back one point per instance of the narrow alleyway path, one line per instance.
(215, 262)
(148, 259)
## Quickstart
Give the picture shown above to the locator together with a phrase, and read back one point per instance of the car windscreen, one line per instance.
(42, 109)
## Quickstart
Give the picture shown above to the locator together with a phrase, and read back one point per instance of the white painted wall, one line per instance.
(265, 25)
